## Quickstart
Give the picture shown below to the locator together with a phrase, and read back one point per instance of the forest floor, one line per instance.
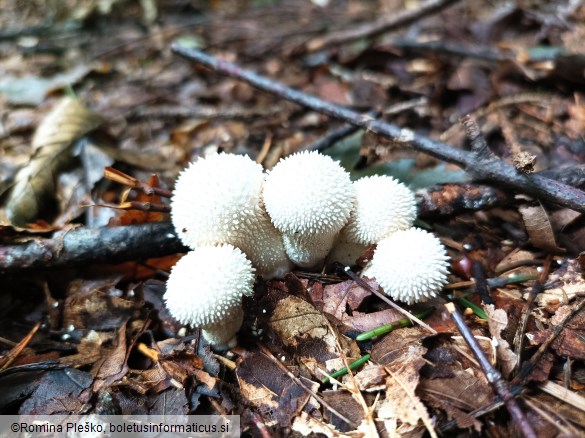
(99, 114)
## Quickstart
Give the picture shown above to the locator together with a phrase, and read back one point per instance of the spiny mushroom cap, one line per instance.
(308, 193)
(383, 206)
(216, 199)
(410, 265)
(207, 284)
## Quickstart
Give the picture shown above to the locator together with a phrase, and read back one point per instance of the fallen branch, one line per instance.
(493, 170)
(91, 245)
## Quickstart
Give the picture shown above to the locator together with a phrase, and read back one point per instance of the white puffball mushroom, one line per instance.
(218, 199)
(410, 265)
(382, 206)
(205, 290)
(308, 197)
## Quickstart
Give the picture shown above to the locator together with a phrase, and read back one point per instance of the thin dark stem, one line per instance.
(493, 170)
(493, 376)
(331, 138)
(481, 285)
(385, 24)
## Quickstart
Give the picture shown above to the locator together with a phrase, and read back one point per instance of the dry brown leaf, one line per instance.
(338, 296)
(371, 377)
(368, 321)
(570, 342)
(401, 402)
(463, 391)
(34, 187)
(567, 282)
(275, 395)
(498, 321)
(304, 330)
(539, 228)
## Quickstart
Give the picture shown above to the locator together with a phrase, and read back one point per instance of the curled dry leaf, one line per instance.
(34, 187)
(539, 228)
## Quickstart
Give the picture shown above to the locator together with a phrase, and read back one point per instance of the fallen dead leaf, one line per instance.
(498, 321)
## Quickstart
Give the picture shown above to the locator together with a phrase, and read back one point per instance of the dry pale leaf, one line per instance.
(498, 321)
(401, 402)
(35, 184)
(539, 228)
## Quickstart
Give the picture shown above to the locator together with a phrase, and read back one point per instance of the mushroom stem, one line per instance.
(308, 252)
(222, 334)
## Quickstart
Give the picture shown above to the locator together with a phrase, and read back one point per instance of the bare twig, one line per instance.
(92, 245)
(331, 138)
(385, 24)
(481, 285)
(440, 47)
(537, 288)
(203, 112)
(493, 170)
(492, 375)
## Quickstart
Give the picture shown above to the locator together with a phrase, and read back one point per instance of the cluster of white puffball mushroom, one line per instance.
(241, 222)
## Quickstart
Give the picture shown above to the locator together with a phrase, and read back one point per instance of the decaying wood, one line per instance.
(91, 245)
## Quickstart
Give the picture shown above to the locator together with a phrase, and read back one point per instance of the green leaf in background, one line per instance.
(347, 153)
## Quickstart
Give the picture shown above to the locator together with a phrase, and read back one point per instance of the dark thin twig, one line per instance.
(493, 376)
(385, 24)
(481, 285)
(92, 245)
(331, 138)
(537, 288)
(528, 366)
(493, 170)
(442, 48)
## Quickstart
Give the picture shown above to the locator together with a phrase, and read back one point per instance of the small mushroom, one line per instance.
(205, 290)
(382, 206)
(218, 199)
(308, 197)
(410, 265)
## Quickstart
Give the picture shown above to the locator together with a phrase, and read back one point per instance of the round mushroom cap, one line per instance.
(207, 284)
(308, 193)
(216, 199)
(383, 206)
(410, 265)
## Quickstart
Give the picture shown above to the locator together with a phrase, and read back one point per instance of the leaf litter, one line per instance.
(106, 342)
